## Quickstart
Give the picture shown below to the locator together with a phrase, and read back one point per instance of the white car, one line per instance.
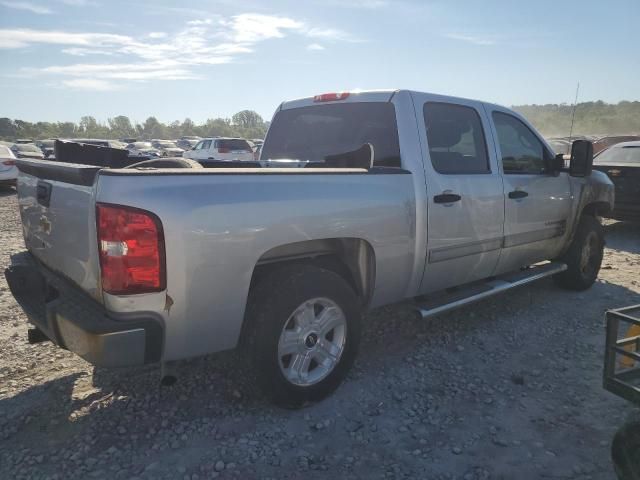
(220, 149)
(8, 169)
(142, 149)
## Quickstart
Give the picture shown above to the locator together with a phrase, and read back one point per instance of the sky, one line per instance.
(199, 59)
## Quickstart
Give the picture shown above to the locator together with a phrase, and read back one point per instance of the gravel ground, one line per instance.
(508, 388)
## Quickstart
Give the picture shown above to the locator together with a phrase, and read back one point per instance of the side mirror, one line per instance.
(581, 158)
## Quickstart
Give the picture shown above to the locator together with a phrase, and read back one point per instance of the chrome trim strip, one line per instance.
(448, 253)
(556, 230)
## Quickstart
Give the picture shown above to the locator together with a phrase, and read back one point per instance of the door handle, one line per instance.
(516, 194)
(447, 198)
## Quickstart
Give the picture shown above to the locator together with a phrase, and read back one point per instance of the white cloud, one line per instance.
(90, 84)
(255, 27)
(208, 21)
(22, 37)
(332, 34)
(160, 55)
(83, 52)
(473, 39)
(28, 6)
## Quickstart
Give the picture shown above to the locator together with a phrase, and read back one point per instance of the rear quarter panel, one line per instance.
(217, 226)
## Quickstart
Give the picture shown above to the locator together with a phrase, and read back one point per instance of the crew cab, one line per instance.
(404, 196)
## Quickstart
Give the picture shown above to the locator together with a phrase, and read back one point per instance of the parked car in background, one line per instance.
(8, 169)
(220, 149)
(187, 143)
(27, 150)
(167, 148)
(137, 266)
(142, 149)
(23, 140)
(256, 152)
(257, 141)
(560, 145)
(47, 147)
(602, 143)
(621, 162)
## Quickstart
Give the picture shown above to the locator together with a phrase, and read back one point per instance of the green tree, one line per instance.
(247, 119)
(120, 127)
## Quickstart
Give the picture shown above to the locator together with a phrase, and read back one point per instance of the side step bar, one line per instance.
(479, 291)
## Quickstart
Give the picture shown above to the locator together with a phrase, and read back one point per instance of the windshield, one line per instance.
(27, 148)
(626, 154)
(140, 145)
(320, 131)
(166, 144)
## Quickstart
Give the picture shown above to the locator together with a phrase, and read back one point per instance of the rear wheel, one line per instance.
(584, 256)
(303, 333)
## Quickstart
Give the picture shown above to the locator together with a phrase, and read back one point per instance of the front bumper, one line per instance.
(76, 322)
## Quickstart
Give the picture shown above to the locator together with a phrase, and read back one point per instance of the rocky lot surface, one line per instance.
(509, 388)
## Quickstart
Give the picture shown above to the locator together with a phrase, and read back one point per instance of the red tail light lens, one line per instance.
(9, 163)
(131, 249)
(330, 97)
(223, 150)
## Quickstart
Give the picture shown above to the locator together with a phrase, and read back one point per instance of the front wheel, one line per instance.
(303, 333)
(584, 256)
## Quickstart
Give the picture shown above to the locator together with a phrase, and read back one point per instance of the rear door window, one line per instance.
(320, 132)
(456, 139)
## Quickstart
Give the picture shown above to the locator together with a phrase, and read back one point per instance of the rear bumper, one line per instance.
(76, 322)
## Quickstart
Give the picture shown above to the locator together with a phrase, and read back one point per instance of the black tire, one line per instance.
(625, 450)
(584, 256)
(272, 303)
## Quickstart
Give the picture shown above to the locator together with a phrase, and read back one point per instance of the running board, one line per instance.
(479, 291)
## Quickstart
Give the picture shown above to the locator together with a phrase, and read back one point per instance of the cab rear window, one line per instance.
(320, 132)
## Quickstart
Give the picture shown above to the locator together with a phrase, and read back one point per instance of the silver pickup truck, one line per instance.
(403, 196)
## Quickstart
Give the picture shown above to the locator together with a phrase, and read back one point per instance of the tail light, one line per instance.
(9, 163)
(330, 97)
(131, 249)
(224, 150)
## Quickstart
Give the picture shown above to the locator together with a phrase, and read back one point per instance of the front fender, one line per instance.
(593, 195)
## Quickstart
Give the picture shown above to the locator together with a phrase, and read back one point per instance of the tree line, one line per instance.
(591, 118)
(245, 124)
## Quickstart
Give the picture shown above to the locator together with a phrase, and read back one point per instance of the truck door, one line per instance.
(464, 187)
(537, 203)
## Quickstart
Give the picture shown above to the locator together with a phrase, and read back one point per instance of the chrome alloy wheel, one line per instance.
(312, 341)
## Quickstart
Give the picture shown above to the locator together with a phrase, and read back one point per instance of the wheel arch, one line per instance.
(351, 258)
(596, 208)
